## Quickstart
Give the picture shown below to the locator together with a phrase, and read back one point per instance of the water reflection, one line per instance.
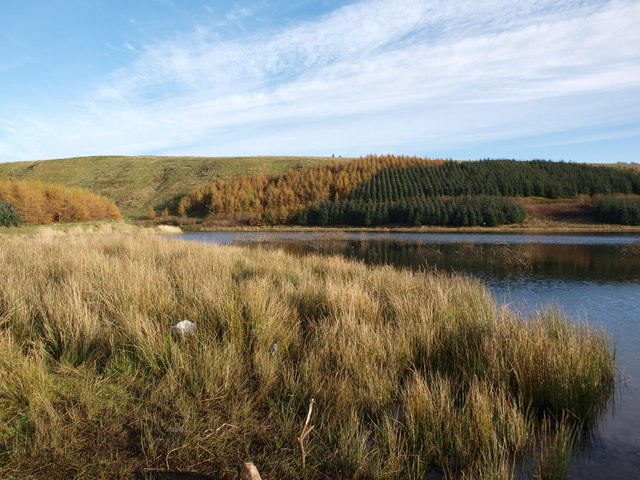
(562, 261)
(431, 238)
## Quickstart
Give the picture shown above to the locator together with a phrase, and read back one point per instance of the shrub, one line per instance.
(621, 210)
(9, 216)
(43, 203)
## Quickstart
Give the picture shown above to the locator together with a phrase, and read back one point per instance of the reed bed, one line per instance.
(411, 372)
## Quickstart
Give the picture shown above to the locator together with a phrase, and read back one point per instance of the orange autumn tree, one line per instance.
(274, 199)
(42, 203)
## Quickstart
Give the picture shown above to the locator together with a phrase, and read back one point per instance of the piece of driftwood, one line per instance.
(306, 430)
(248, 471)
(170, 475)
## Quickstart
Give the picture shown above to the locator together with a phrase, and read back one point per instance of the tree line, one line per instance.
(276, 198)
(619, 210)
(41, 203)
(455, 211)
(378, 190)
(537, 178)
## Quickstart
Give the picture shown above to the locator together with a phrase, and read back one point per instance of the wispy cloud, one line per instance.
(372, 76)
(238, 13)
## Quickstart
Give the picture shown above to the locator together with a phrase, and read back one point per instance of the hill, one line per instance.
(390, 190)
(137, 184)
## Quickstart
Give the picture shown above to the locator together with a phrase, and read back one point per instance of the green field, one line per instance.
(139, 183)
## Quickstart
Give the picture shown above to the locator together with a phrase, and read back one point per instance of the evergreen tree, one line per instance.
(9, 215)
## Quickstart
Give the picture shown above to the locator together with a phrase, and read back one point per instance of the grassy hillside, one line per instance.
(139, 183)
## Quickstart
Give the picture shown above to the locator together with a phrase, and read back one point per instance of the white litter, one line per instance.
(185, 328)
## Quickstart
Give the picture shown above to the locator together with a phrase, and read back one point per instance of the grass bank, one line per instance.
(103, 228)
(531, 225)
(409, 371)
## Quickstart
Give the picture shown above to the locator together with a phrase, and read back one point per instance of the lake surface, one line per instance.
(590, 277)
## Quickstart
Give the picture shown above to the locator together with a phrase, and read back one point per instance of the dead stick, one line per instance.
(306, 430)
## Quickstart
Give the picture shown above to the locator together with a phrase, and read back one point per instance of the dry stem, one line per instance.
(306, 430)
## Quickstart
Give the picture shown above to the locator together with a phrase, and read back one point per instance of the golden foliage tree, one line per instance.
(43, 203)
(276, 198)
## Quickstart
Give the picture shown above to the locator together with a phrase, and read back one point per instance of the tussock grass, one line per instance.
(557, 445)
(410, 372)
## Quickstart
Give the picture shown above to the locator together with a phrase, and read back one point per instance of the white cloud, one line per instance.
(370, 76)
(238, 13)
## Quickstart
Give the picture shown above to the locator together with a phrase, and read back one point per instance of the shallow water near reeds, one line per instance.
(594, 278)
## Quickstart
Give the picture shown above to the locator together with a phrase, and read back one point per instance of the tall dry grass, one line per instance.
(410, 372)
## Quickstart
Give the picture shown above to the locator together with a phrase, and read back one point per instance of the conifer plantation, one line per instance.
(273, 199)
(622, 210)
(390, 190)
(40, 203)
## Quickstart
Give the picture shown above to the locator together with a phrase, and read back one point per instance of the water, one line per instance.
(590, 277)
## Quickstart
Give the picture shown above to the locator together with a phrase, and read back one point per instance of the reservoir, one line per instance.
(593, 278)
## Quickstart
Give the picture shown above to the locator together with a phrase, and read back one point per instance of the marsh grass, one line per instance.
(410, 372)
(557, 444)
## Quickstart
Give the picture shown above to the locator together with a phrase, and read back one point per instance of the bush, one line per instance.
(9, 216)
(620, 210)
(42, 203)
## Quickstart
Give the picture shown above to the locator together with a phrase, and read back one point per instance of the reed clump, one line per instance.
(410, 371)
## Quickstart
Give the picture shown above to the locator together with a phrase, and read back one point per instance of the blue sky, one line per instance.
(556, 79)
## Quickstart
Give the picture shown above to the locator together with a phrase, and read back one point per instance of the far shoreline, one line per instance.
(178, 226)
(516, 229)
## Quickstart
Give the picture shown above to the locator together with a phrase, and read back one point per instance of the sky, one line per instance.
(464, 79)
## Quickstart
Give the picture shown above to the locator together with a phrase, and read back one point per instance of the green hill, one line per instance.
(136, 184)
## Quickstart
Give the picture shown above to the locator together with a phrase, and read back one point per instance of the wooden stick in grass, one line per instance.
(248, 471)
(306, 430)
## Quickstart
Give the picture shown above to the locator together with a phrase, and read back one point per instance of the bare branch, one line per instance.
(306, 430)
